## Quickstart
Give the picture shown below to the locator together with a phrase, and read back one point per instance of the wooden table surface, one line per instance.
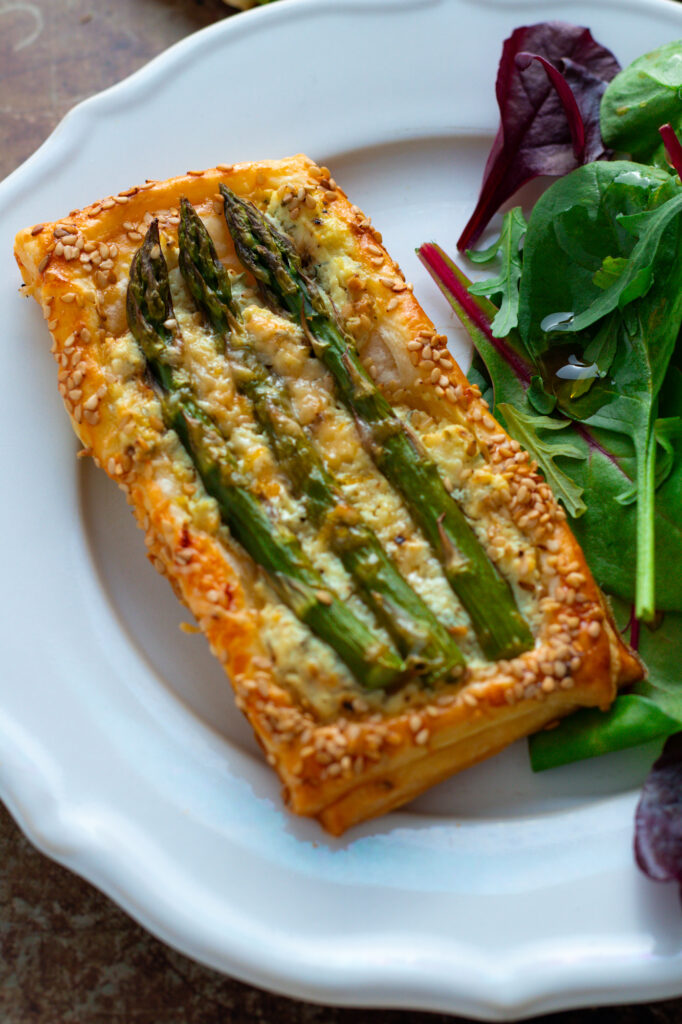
(67, 954)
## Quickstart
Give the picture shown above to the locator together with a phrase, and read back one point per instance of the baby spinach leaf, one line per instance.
(506, 284)
(667, 431)
(630, 721)
(607, 532)
(539, 132)
(642, 97)
(525, 427)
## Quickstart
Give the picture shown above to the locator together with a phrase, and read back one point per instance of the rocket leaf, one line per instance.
(506, 285)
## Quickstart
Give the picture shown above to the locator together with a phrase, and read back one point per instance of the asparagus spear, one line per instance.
(149, 306)
(422, 640)
(271, 258)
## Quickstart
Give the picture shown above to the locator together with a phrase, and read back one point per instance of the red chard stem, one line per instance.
(673, 147)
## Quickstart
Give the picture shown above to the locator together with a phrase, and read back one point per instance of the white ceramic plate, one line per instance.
(498, 894)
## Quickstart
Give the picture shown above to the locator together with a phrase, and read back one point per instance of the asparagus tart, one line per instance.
(390, 586)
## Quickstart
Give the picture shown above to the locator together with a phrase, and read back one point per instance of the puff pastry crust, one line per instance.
(349, 756)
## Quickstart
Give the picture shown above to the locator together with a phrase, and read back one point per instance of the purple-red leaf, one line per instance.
(565, 94)
(541, 127)
(658, 819)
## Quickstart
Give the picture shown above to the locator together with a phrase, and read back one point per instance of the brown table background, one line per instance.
(67, 954)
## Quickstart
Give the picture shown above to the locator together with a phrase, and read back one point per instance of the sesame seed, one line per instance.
(422, 737)
(594, 629)
(324, 597)
(576, 579)
(391, 304)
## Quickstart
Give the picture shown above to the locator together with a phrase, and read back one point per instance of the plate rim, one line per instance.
(52, 830)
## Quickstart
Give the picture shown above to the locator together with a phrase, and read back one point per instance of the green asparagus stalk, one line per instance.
(375, 664)
(272, 259)
(426, 645)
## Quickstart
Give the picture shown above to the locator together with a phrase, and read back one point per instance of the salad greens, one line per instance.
(582, 362)
(601, 293)
(607, 469)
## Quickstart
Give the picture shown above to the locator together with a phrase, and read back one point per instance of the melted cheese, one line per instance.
(301, 659)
